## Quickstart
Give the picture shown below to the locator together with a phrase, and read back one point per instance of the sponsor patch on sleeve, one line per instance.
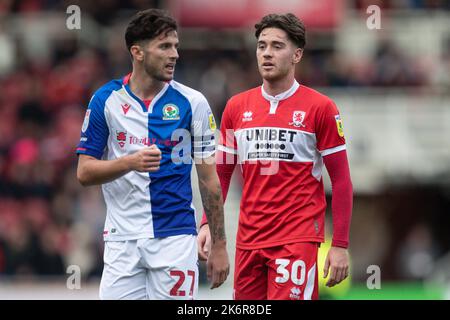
(340, 128)
(212, 122)
(86, 121)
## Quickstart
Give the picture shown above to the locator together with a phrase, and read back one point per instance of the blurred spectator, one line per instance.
(394, 68)
(7, 52)
(417, 254)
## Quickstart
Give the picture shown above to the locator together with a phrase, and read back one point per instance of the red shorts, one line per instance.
(287, 272)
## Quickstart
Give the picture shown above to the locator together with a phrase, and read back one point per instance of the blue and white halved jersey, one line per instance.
(117, 123)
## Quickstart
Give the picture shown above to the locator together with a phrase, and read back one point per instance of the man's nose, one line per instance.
(267, 52)
(174, 54)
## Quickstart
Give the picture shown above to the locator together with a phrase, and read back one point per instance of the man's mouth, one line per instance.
(268, 65)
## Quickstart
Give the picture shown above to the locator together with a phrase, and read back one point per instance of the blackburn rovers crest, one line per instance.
(171, 112)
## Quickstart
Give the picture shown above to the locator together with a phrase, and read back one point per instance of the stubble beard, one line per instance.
(155, 73)
(270, 76)
(274, 76)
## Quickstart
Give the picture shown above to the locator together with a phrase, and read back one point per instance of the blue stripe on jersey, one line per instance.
(95, 137)
(170, 187)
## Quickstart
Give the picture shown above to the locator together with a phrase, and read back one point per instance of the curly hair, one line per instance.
(148, 24)
(288, 22)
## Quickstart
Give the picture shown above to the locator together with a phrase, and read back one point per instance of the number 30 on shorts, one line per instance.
(297, 274)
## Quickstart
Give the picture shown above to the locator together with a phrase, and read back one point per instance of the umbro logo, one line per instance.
(125, 108)
(247, 116)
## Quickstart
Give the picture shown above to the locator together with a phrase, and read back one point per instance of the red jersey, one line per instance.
(280, 142)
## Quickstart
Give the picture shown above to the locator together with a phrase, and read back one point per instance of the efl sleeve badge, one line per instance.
(212, 122)
(340, 128)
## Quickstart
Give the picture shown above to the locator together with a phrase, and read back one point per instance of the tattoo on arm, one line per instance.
(213, 205)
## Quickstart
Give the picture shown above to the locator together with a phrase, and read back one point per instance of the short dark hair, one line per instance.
(288, 22)
(148, 24)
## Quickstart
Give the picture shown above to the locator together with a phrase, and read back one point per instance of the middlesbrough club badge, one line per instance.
(297, 119)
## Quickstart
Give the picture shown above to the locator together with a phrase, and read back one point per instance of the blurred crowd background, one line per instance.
(392, 86)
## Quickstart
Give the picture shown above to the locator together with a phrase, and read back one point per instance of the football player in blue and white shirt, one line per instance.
(138, 139)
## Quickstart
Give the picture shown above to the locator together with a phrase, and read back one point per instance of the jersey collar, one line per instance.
(281, 96)
(145, 108)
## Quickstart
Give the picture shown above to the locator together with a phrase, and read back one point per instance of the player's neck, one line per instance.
(276, 87)
(145, 87)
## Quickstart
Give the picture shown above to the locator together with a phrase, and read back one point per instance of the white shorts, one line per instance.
(161, 268)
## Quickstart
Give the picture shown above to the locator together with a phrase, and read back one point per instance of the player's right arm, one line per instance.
(92, 171)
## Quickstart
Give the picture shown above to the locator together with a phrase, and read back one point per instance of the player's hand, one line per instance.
(217, 265)
(204, 242)
(145, 160)
(337, 259)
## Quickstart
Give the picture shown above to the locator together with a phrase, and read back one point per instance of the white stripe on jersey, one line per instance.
(127, 197)
(226, 149)
(326, 152)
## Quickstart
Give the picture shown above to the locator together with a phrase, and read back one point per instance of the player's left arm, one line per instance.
(217, 264)
(337, 261)
(332, 146)
(226, 160)
(203, 129)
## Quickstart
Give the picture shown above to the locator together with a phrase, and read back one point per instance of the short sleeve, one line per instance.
(94, 131)
(227, 141)
(329, 129)
(203, 128)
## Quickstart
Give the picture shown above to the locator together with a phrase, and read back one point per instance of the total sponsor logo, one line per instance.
(295, 293)
(146, 141)
(123, 138)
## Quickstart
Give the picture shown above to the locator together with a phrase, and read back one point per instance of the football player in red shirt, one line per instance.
(283, 134)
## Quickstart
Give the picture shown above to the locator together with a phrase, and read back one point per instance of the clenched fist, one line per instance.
(145, 160)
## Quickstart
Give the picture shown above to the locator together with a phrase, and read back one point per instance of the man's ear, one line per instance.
(137, 52)
(298, 53)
